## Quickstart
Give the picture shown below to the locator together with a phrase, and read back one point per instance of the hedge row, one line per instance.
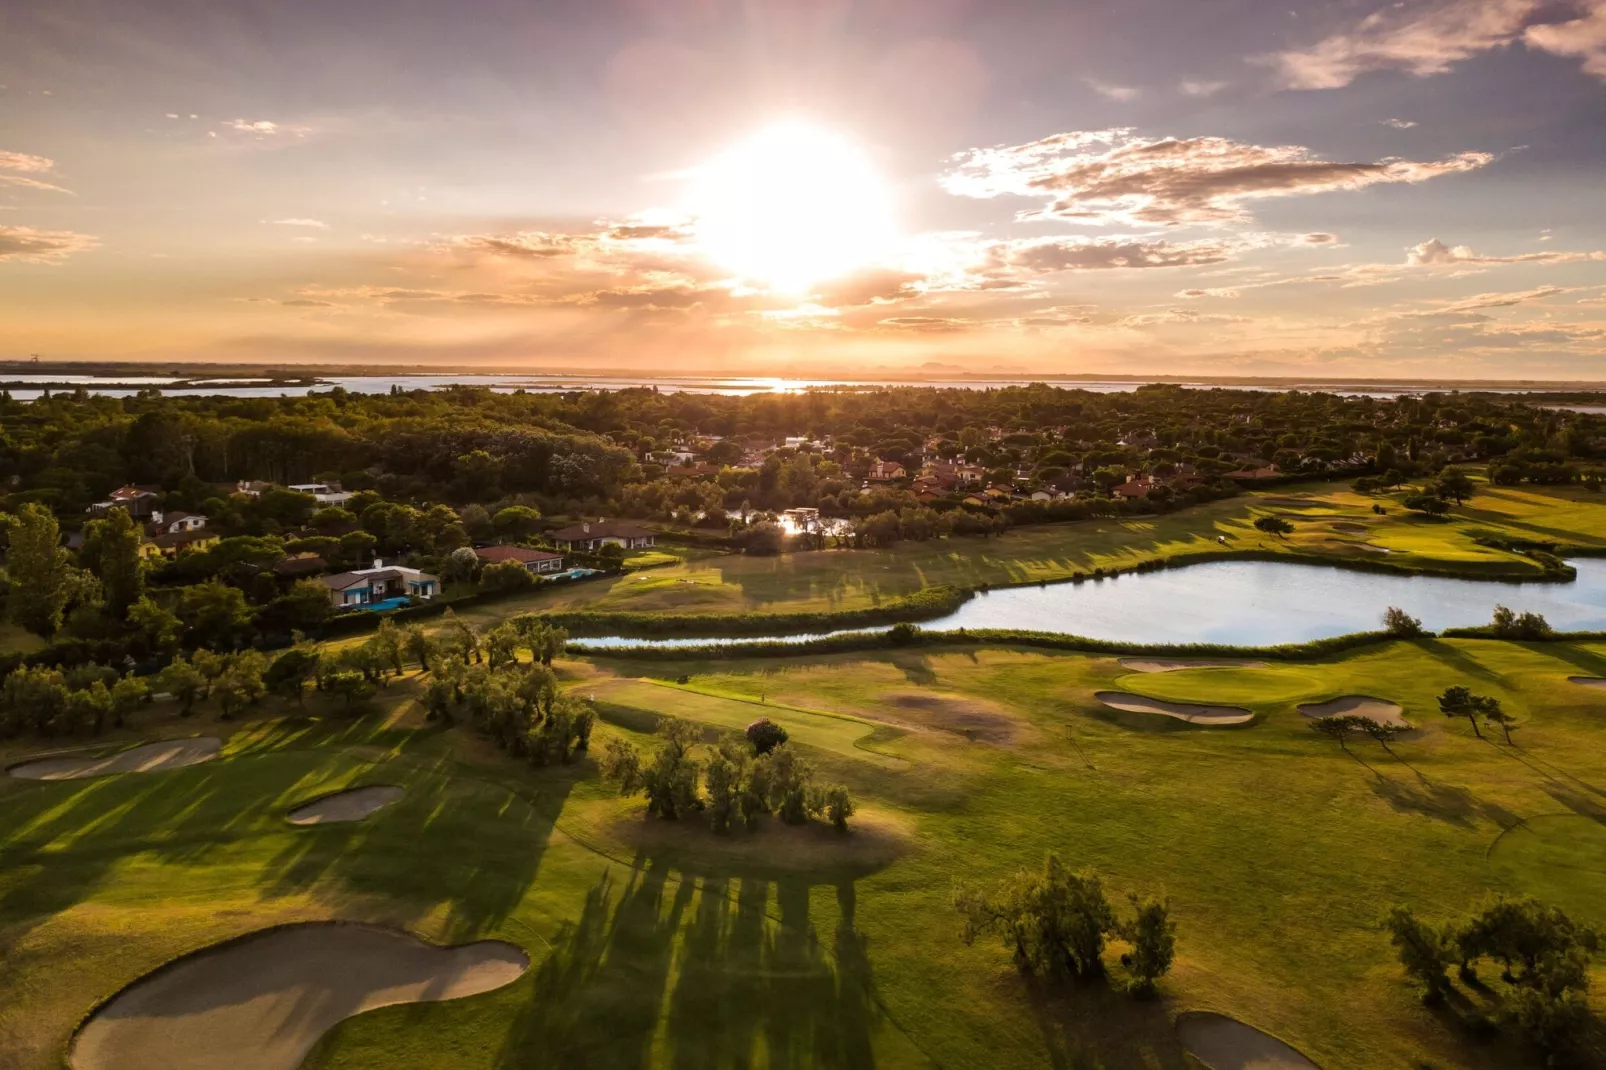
(905, 636)
(923, 605)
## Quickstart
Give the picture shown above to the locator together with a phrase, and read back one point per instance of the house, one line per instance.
(1255, 473)
(970, 474)
(594, 536)
(176, 522)
(1133, 489)
(137, 500)
(885, 472)
(251, 488)
(365, 586)
(693, 470)
(326, 493)
(534, 560)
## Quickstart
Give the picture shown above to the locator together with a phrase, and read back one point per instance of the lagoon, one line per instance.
(1247, 603)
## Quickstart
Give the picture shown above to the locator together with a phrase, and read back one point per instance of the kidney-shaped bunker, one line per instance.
(261, 1002)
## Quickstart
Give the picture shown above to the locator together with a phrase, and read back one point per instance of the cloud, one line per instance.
(22, 161)
(1434, 252)
(1193, 295)
(1584, 37)
(1469, 307)
(1123, 93)
(1175, 316)
(1421, 42)
(21, 165)
(1431, 41)
(29, 245)
(247, 126)
(1049, 255)
(1102, 177)
(878, 286)
(1202, 89)
(525, 245)
(313, 224)
(1399, 124)
(926, 324)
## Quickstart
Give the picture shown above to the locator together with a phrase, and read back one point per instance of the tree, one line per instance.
(502, 645)
(419, 646)
(37, 568)
(1054, 921)
(290, 671)
(765, 735)
(215, 613)
(1398, 622)
(128, 694)
(1383, 731)
(114, 542)
(838, 807)
(1274, 525)
(1339, 727)
(1424, 951)
(723, 778)
(1459, 701)
(516, 522)
(183, 681)
(670, 780)
(1509, 624)
(1153, 936)
(1489, 709)
(1429, 504)
(349, 685)
(460, 564)
(158, 629)
(1456, 485)
(304, 607)
(241, 683)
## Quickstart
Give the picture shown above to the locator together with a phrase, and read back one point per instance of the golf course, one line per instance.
(587, 934)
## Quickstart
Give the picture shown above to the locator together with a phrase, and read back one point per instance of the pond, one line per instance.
(1253, 603)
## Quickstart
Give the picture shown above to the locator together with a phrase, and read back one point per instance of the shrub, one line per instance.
(1397, 621)
(1509, 624)
(765, 735)
(1153, 936)
(505, 576)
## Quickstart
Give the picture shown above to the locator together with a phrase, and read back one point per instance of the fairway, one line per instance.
(1278, 850)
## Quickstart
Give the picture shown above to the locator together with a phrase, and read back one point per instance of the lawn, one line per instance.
(1329, 521)
(661, 945)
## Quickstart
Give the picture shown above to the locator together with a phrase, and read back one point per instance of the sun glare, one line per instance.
(790, 207)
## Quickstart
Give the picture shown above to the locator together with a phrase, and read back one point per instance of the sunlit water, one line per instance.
(126, 385)
(1252, 603)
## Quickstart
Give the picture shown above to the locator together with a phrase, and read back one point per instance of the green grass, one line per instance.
(664, 946)
(835, 580)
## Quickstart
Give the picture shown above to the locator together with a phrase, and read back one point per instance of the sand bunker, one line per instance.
(1182, 711)
(1373, 709)
(145, 758)
(1587, 681)
(973, 718)
(262, 1002)
(353, 804)
(1174, 664)
(1223, 1043)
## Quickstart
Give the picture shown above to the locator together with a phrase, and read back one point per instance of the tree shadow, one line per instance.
(1450, 803)
(1092, 1026)
(734, 964)
(1457, 659)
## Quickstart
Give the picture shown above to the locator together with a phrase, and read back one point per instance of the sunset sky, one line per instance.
(1229, 187)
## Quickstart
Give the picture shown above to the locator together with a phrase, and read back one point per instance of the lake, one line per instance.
(1251, 603)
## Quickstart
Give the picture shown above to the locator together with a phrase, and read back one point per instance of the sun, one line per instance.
(791, 206)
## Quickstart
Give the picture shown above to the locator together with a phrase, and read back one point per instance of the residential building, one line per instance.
(362, 587)
(138, 501)
(535, 560)
(299, 565)
(326, 493)
(175, 522)
(885, 472)
(173, 543)
(595, 535)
